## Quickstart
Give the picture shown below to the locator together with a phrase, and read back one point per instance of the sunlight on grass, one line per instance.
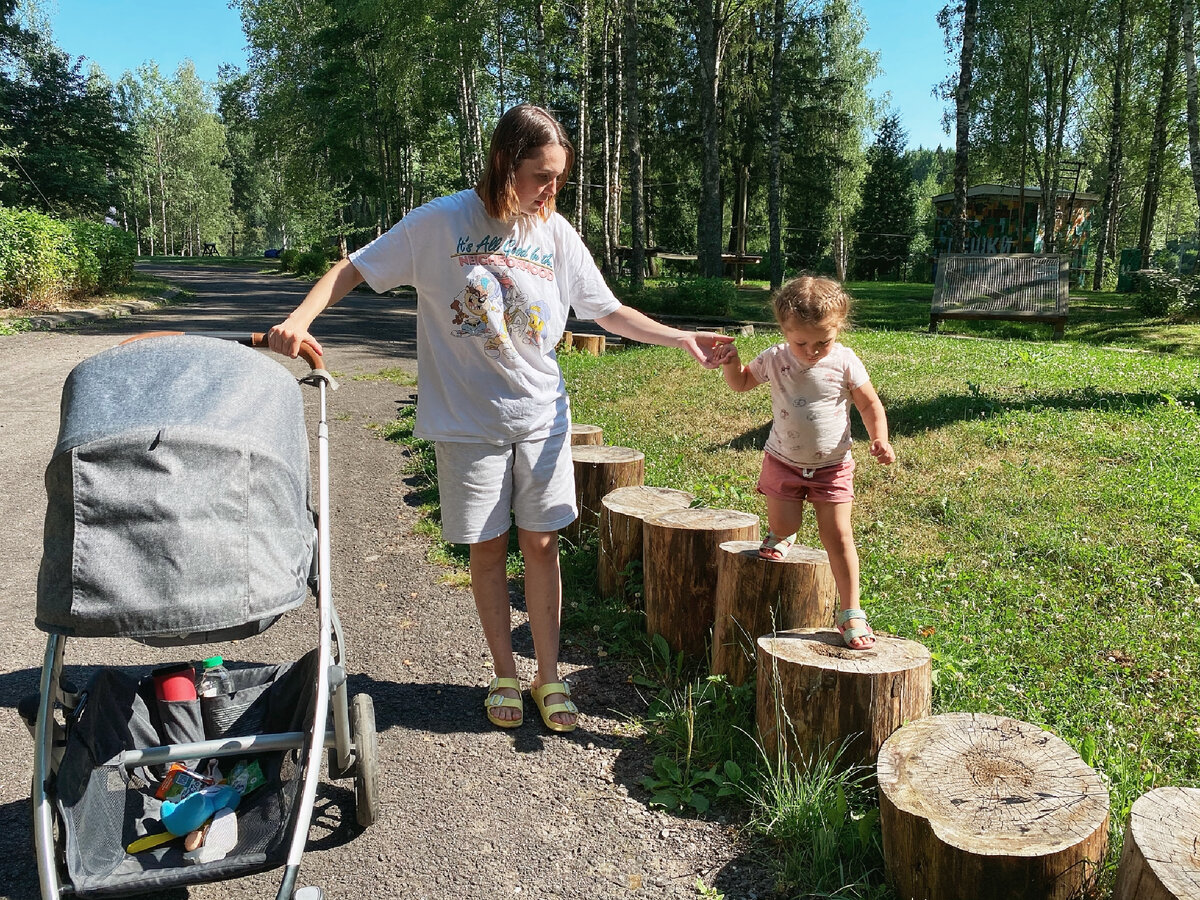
(1037, 533)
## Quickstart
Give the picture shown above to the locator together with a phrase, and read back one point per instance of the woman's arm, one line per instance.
(628, 322)
(288, 335)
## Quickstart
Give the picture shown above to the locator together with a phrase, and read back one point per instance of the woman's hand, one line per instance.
(286, 338)
(707, 348)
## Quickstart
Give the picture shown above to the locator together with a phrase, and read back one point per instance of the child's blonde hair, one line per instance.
(812, 300)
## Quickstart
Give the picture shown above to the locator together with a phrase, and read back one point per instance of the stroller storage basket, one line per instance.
(177, 495)
(104, 807)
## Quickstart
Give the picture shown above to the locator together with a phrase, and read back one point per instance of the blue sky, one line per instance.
(123, 34)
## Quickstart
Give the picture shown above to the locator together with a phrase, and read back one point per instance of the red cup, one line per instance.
(177, 682)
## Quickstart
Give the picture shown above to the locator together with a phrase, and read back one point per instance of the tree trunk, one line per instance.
(962, 112)
(757, 596)
(618, 113)
(1193, 107)
(149, 213)
(1116, 135)
(679, 571)
(710, 43)
(1158, 143)
(581, 139)
(637, 218)
(501, 92)
(989, 808)
(775, 188)
(1159, 858)
(586, 434)
(622, 512)
(598, 470)
(606, 155)
(820, 700)
(539, 18)
(588, 343)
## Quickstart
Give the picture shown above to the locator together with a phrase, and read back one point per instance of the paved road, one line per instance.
(468, 811)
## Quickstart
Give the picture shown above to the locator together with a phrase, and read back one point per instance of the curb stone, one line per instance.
(115, 311)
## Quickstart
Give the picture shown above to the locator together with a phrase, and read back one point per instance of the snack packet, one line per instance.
(179, 782)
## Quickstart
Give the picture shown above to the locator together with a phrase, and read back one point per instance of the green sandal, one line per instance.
(540, 694)
(497, 701)
(851, 633)
(776, 547)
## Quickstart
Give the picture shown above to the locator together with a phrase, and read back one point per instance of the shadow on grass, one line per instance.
(915, 416)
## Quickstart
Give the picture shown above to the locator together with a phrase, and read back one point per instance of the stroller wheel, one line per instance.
(366, 770)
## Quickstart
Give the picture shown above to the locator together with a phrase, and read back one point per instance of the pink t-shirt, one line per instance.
(811, 403)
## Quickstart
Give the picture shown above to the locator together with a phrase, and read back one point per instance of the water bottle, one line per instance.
(214, 680)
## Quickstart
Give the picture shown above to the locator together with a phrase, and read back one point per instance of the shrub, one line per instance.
(704, 297)
(288, 259)
(36, 258)
(1162, 294)
(311, 262)
(110, 251)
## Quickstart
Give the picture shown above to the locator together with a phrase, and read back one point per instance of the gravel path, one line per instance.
(468, 811)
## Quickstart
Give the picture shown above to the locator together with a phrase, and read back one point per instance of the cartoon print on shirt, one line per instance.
(479, 312)
(492, 306)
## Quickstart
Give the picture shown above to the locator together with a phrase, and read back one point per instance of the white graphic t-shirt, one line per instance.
(492, 303)
(811, 404)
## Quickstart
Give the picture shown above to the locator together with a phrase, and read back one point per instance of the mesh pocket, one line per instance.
(244, 711)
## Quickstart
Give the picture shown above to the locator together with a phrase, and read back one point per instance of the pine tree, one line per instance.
(884, 221)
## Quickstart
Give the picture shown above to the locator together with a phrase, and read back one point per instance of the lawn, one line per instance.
(1096, 318)
(1037, 533)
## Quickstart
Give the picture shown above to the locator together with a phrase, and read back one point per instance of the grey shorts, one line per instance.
(483, 488)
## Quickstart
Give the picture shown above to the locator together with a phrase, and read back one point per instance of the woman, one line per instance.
(496, 272)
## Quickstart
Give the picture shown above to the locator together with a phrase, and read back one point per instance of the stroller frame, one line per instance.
(351, 743)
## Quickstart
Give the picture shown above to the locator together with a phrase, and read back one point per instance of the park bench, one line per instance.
(1017, 286)
(209, 250)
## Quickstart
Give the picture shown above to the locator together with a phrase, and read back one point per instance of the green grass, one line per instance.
(1096, 318)
(1037, 533)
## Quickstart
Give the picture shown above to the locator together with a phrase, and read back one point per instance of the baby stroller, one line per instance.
(178, 514)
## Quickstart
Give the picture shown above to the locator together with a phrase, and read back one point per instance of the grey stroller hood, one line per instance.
(177, 495)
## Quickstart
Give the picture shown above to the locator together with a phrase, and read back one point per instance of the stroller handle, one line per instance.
(254, 339)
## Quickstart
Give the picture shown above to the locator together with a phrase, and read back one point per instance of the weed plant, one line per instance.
(1037, 533)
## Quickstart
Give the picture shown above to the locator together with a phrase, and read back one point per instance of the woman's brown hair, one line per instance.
(520, 131)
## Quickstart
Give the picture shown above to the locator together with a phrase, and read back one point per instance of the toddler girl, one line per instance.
(813, 380)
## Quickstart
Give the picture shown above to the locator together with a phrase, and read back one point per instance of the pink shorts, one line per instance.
(827, 484)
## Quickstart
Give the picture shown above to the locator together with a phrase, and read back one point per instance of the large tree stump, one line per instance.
(621, 515)
(598, 470)
(989, 808)
(826, 701)
(1160, 859)
(756, 596)
(679, 571)
(586, 434)
(588, 343)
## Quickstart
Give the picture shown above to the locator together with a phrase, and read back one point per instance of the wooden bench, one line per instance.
(1018, 286)
(209, 250)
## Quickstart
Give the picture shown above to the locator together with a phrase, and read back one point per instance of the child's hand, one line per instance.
(727, 355)
(883, 452)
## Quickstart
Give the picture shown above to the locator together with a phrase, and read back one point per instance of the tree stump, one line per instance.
(598, 470)
(757, 596)
(989, 808)
(588, 343)
(1160, 859)
(621, 515)
(586, 434)
(679, 571)
(822, 697)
